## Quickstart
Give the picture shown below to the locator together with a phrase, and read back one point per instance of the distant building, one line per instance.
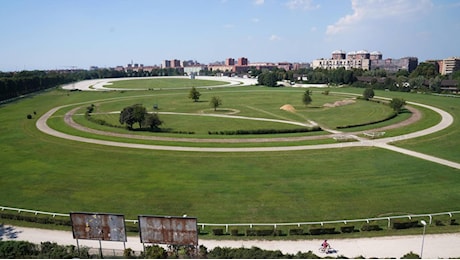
(242, 61)
(366, 61)
(230, 62)
(175, 63)
(394, 65)
(338, 55)
(352, 60)
(164, 64)
(449, 65)
(194, 70)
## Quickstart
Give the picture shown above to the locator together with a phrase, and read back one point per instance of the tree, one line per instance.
(368, 93)
(425, 69)
(152, 121)
(215, 102)
(397, 104)
(127, 117)
(133, 114)
(307, 97)
(268, 79)
(194, 94)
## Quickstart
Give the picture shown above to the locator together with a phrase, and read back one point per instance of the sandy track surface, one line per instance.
(435, 246)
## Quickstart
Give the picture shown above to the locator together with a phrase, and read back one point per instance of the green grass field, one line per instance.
(46, 173)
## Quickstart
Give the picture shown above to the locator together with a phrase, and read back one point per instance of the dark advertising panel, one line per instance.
(168, 230)
(98, 226)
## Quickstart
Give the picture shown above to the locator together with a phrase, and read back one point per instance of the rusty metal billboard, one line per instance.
(168, 230)
(98, 226)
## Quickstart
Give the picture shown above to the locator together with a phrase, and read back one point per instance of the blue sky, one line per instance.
(54, 34)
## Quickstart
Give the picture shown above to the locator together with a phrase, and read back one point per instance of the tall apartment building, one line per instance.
(449, 65)
(166, 64)
(242, 61)
(229, 62)
(352, 60)
(175, 63)
(366, 61)
(394, 65)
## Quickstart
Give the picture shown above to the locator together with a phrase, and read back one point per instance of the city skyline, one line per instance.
(51, 34)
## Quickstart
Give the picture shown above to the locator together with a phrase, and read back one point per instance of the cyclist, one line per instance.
(325, 246)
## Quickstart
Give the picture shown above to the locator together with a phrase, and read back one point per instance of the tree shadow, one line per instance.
(8, 232)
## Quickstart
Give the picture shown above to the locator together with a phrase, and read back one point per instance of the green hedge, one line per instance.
(347, 229)
(370, 227)
(296, 232)
(260, 232)
(393, 115)
(322, 231)
(265, 131)
(405, 224)
(36, 219)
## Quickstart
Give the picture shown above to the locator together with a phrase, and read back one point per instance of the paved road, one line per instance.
(435, 246)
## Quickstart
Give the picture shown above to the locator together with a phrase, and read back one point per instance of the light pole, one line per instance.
(423, 237)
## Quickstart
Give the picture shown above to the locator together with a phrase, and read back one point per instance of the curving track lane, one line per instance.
(384, 143)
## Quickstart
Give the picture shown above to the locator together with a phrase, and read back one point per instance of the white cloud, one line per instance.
(259, 2)
(301, 4)
(229, 26)
(274, 37)
(378, 10)
(255, 20)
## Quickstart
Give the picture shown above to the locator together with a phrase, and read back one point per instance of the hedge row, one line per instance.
(393, 115)
(265, 131)
(36, 219)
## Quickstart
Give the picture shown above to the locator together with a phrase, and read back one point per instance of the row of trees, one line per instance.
(15, 84)
(424, 78)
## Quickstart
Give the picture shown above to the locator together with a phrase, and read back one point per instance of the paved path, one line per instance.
(435, 246)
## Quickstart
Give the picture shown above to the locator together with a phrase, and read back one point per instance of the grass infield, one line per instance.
(50, 174)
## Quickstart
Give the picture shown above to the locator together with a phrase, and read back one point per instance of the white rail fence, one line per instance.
(274, 225)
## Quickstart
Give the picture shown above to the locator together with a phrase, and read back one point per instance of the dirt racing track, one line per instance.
(384, 143)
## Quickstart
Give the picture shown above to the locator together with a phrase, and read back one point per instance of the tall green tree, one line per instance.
(269, 79)
(194, 94)
(152, 121)
(306, 99)
(397, 104)
(133, 114)
(368, 93)
(428, 70)
(215, 102)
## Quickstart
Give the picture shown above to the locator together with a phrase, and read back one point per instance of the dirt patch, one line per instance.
(340, 103)
(288, 108)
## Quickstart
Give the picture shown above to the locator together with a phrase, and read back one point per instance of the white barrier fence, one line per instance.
(274, 225)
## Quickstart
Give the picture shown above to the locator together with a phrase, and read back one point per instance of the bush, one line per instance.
(218, 231)
(405, 224)
(154, 252)
(296, 232)
(29, 116)
(322, 231)
(260, 232)
(17, 249)
(410, 255)
(438, 222)
(347, 229)
(234, 232)
(370, 227)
